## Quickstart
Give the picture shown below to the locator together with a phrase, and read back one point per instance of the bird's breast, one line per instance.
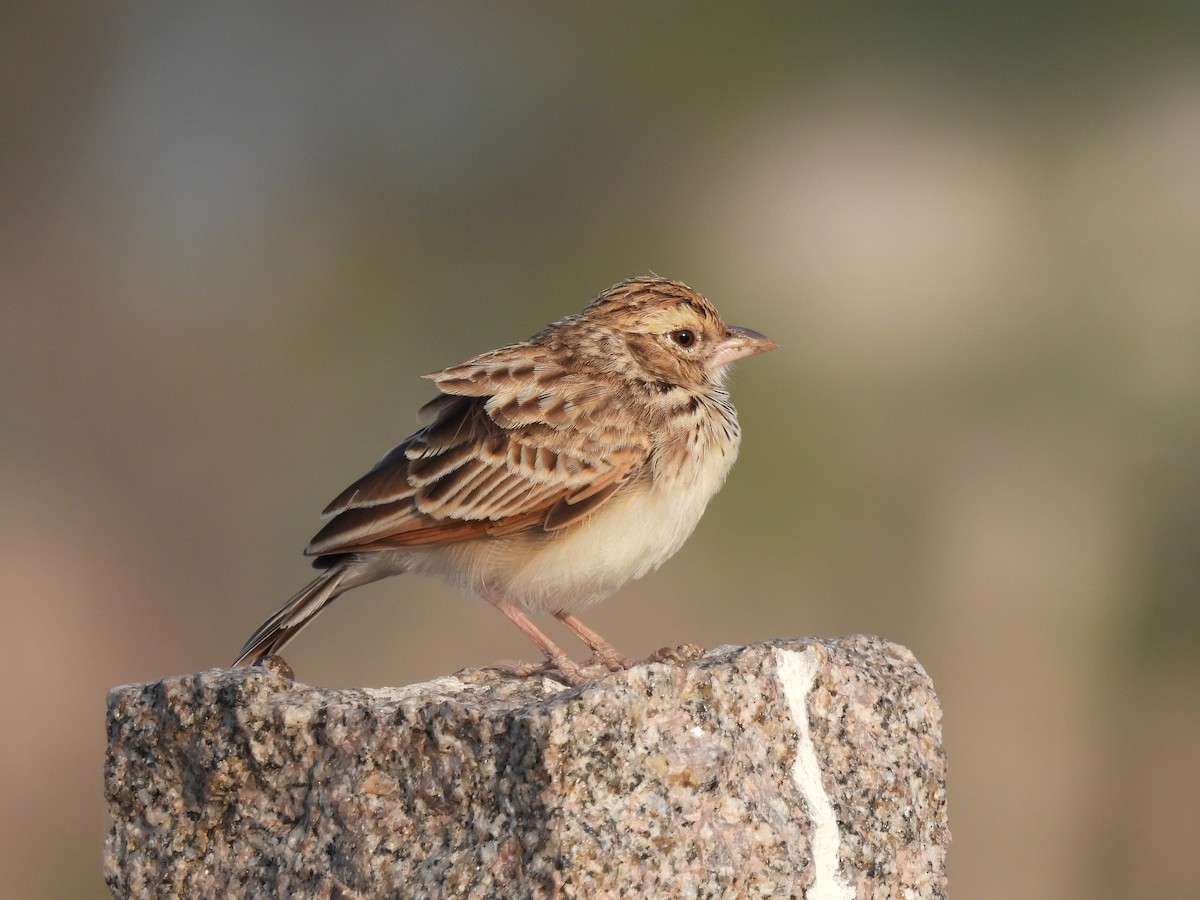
(632, 534)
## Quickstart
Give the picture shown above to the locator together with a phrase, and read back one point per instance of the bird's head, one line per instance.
(661, 331)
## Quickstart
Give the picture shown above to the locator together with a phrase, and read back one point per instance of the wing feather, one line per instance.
(513, 443)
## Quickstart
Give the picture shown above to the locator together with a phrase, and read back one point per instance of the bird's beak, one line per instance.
(739, 343)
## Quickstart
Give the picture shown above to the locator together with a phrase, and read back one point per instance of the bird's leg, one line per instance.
(554, 655)
(602, 651)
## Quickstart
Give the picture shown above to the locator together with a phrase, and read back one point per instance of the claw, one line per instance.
(610, 660)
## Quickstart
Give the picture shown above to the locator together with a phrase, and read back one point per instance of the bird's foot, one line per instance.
(603, 653)
(568, 672)
(609, 659)
(522, 669)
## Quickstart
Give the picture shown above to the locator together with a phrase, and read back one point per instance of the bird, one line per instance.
(547, 473)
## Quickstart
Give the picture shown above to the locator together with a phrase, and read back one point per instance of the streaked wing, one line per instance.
(513, 443)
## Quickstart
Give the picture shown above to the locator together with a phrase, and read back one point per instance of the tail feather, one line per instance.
(295, 614)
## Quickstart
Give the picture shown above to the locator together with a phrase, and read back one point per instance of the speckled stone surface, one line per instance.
(793, 768)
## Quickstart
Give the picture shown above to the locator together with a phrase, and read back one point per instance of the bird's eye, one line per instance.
(684, 337)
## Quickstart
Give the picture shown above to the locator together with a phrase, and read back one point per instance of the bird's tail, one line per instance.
(295, 614)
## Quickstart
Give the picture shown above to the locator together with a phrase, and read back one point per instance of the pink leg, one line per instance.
(570, 671)
(602, 650)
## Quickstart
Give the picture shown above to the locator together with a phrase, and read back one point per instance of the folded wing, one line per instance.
(513, 443)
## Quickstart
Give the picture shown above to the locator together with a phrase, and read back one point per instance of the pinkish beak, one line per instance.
(739, 343)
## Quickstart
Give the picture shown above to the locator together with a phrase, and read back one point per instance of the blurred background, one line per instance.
(231, 238)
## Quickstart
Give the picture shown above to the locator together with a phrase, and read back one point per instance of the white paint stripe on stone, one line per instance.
(797, 671)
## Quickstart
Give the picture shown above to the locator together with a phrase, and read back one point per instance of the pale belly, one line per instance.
(632, 538)
(631, 535)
